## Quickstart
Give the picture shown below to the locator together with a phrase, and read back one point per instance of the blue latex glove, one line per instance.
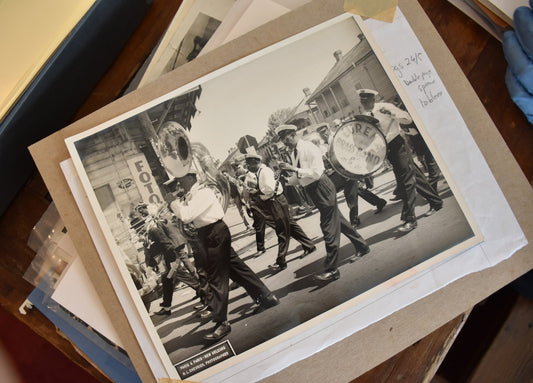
(518, 50)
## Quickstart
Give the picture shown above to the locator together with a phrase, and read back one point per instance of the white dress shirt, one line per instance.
(309, 162)
(250, 182)
(201, 207)
(389, 117)
(267, 183)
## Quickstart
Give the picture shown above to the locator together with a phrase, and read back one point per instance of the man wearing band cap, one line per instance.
(202, 208)
(308, 165)
(408, 178)
(270, 194)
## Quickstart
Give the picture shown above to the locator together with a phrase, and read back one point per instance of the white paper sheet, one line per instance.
(243, 17)
(78, 295)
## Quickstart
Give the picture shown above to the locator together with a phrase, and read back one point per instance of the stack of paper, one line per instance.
(304, 67)
(495, 16)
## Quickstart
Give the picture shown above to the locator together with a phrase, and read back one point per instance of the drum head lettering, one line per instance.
(358, 148)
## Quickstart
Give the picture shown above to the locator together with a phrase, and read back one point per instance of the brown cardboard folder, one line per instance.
(386, 337)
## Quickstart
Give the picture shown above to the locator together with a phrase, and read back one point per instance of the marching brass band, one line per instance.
(199, 211)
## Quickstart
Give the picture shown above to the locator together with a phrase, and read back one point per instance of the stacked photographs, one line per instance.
(410, 215)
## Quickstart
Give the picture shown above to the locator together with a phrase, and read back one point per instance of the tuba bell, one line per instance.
(175, 149)
(179, 156)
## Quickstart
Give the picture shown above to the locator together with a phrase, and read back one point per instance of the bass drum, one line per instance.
(358, 148)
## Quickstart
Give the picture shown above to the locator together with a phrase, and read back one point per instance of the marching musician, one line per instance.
(257, 210)
(308, 166)
(202, 208)
(273, 201)
(159, 241)
(350, 187)
(236, 195)
(409, 180)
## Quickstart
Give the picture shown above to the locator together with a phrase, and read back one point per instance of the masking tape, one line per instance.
(376, 9)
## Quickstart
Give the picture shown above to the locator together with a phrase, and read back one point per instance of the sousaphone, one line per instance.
(179, 156)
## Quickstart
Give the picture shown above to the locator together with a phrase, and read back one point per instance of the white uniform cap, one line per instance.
(251, 156)
(366, 93)
(285, 129)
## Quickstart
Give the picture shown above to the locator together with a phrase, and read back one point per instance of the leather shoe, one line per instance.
(221, 330)
(328, 276)
(307, 252)
(259, 253)
(277, 268)
(163, 311)
(431, 211)
(200, 307)
(206, 314)
(395, 198)
(358, 255)
(407, 227)
(379, 207)
(266, 302)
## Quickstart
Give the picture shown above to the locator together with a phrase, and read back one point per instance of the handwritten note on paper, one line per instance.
(412, 72)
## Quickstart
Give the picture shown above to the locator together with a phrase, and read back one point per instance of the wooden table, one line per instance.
(480, 57)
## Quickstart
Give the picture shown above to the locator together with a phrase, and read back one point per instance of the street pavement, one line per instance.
(301, 296)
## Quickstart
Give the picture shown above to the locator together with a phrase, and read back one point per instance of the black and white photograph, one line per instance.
(190, 30)
(268, 193)
(194, 40)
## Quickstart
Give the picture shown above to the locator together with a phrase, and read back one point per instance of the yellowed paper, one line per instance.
(377, 9)
(30, 32)
(168, 380)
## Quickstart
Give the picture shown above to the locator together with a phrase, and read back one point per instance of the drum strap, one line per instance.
(295, 160)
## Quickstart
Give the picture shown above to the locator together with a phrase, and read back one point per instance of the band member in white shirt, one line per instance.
(408, 178)
(308, 165)
(270, 193)
(201, 208)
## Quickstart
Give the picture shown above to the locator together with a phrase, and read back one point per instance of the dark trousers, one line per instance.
(220, 265)
(426, 157)
(240, 208)
(332, 222)
(410, 179)
(199, 262)
(352, 191)
(259, 226)
(167, 283)
(370, 197)
(181, 274)
(285, 227)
